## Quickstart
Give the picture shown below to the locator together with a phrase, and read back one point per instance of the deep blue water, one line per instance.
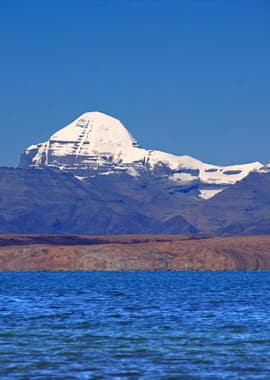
(144, 325)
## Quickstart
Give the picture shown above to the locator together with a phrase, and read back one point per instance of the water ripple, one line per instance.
(144, 325)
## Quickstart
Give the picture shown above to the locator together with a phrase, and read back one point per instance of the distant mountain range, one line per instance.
(96, 144)
(91, 177)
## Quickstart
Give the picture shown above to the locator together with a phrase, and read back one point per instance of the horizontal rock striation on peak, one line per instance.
(96, 144)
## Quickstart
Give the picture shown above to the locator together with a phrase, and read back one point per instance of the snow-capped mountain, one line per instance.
(98, 144)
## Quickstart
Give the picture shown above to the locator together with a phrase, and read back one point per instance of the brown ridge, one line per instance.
(133, 252)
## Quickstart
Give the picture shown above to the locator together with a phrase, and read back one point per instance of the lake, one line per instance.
(135, 325)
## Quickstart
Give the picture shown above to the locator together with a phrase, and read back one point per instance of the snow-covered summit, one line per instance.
(99, 144)
(91, 134)
(95, 132)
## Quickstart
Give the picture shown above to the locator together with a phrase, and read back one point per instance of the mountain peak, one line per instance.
(98, 144)
(91, 138)
(96, 114)
(103, 133)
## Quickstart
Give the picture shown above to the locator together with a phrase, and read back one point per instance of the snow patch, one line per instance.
(209, 193)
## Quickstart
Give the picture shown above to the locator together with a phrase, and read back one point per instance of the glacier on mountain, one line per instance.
(98, 144)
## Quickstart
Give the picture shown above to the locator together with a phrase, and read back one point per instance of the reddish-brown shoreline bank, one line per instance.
(133, 252)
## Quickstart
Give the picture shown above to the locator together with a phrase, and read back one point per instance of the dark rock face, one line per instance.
(52, 201)
(232, 172)
(44, 201)
(243, 209)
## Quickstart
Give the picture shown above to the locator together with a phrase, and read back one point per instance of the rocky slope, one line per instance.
(54, 201)
(243, 209)
(133, 253)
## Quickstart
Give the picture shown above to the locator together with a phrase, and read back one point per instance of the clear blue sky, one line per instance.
(187, 77)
